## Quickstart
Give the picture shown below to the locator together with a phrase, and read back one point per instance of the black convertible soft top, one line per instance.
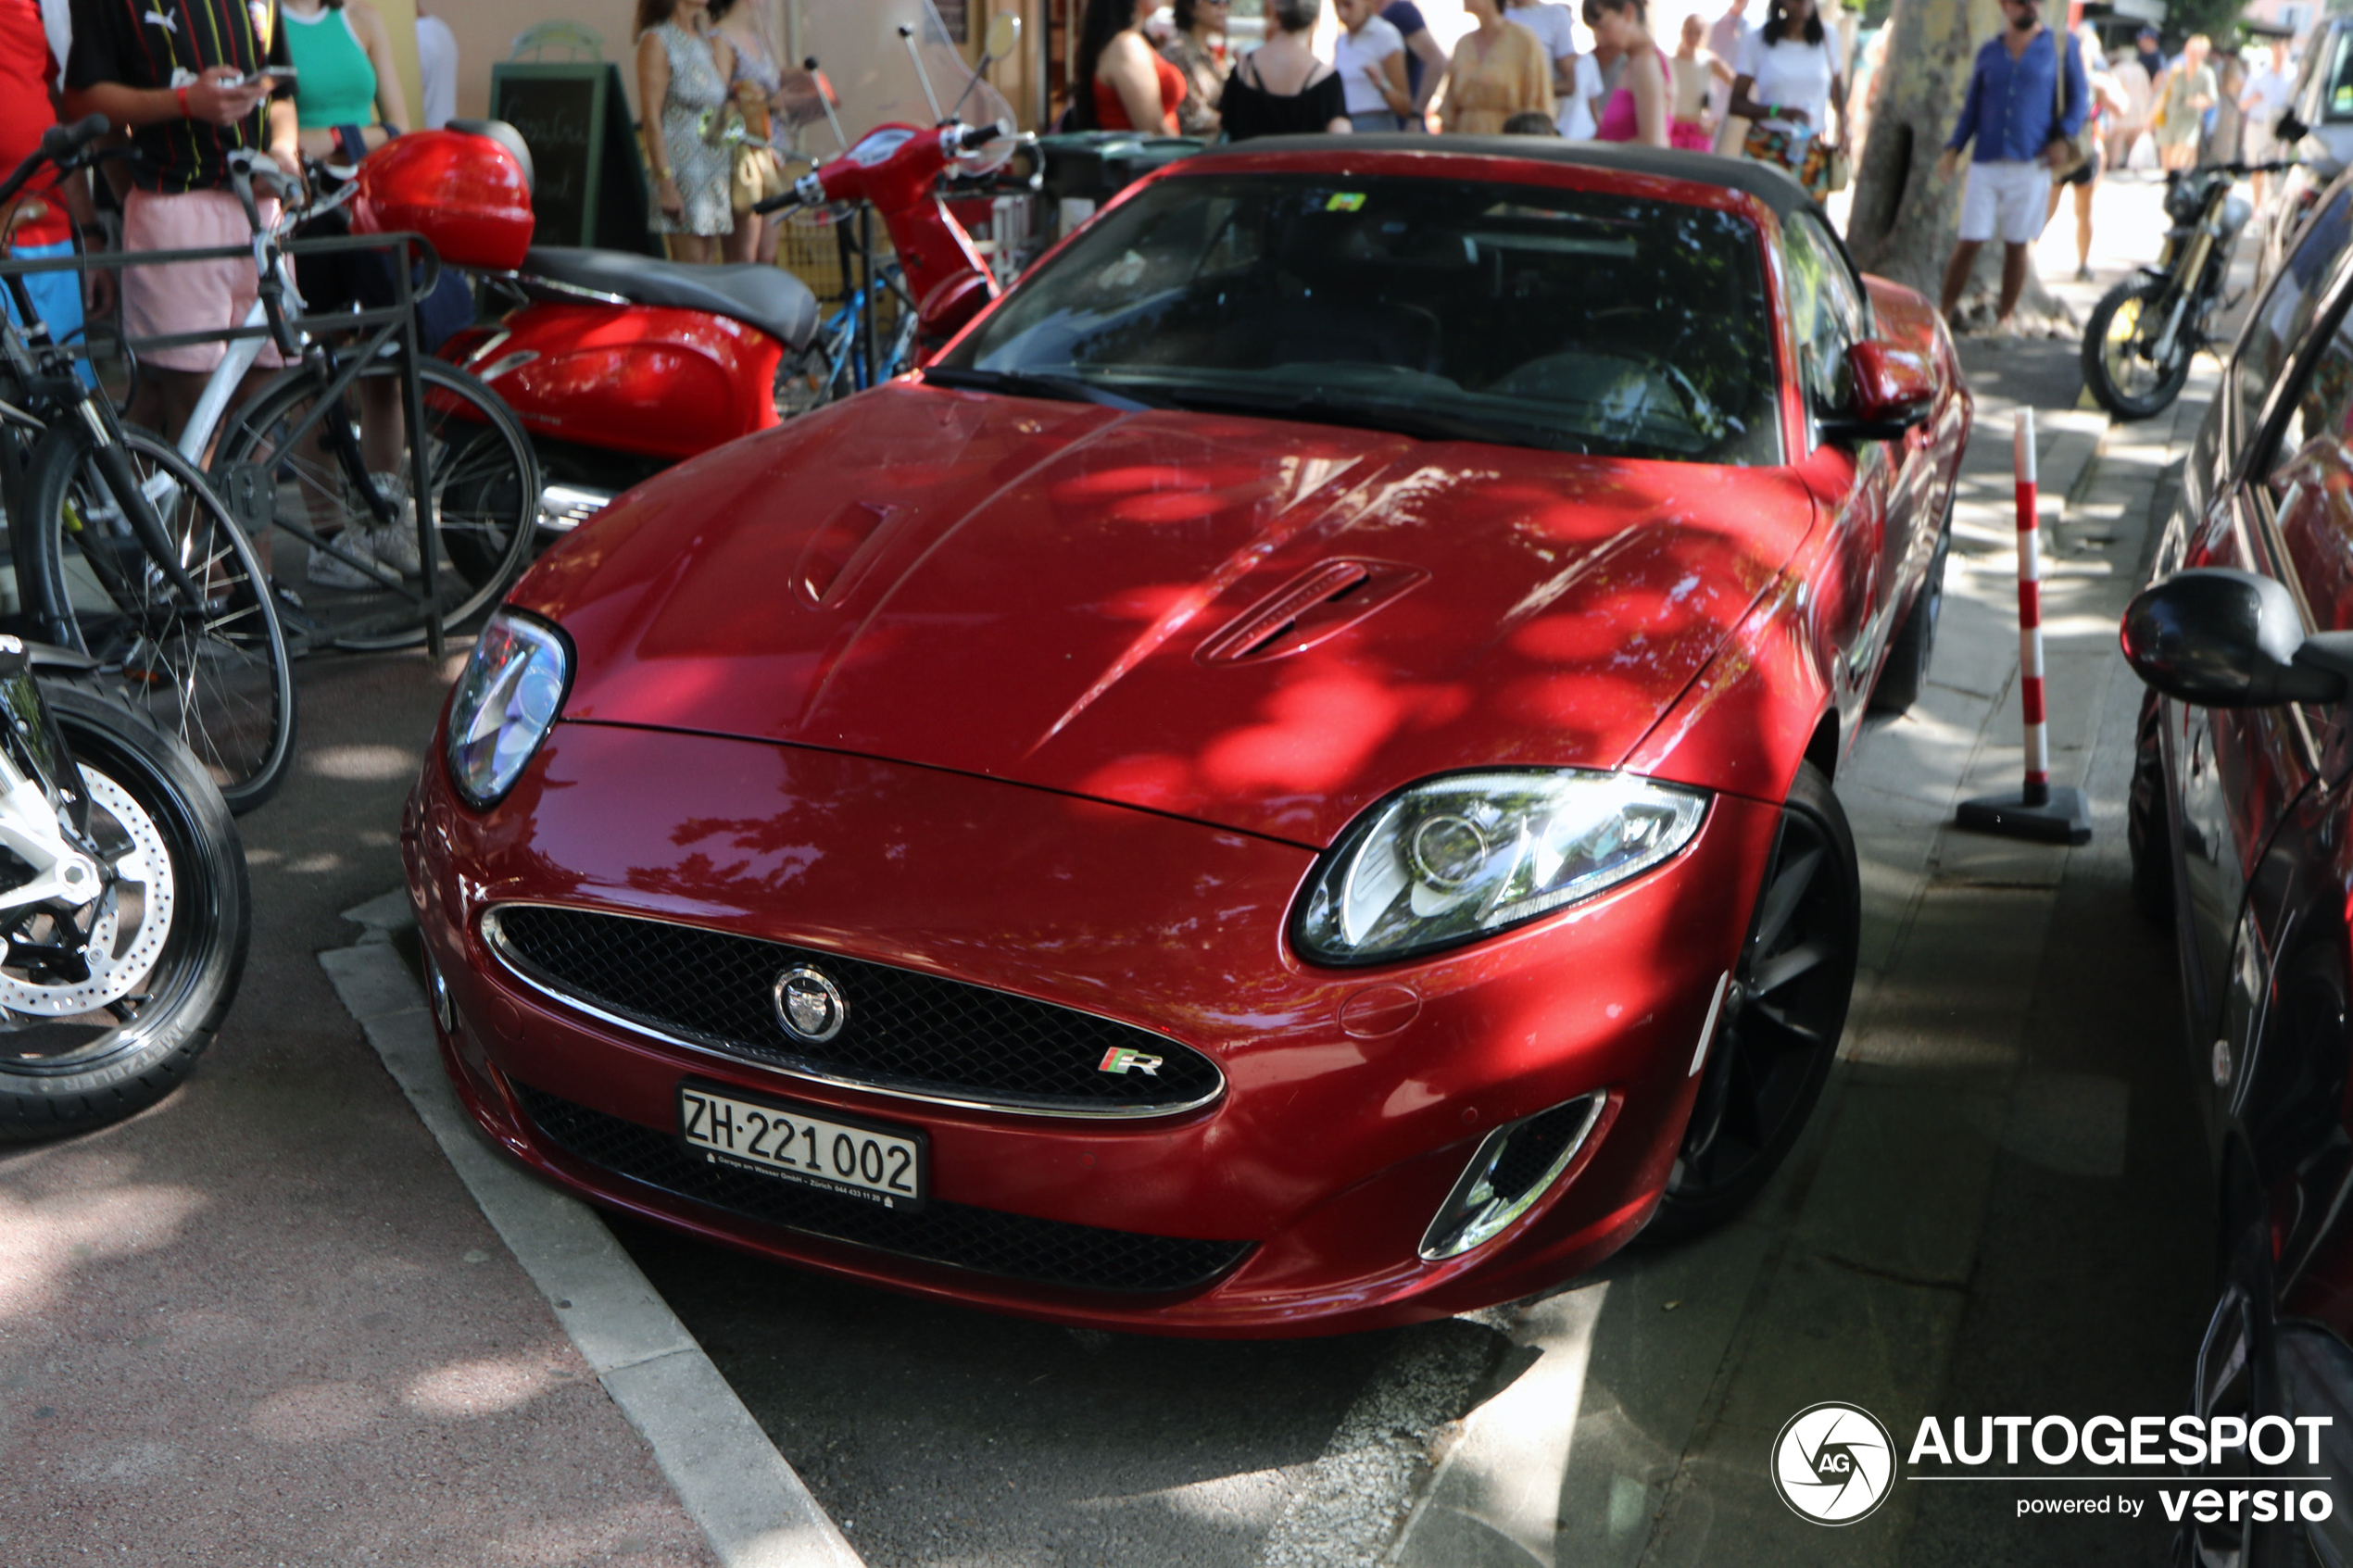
(1768, 184)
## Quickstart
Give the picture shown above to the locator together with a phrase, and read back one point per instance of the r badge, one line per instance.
(810, 1006)
(1119, 1059)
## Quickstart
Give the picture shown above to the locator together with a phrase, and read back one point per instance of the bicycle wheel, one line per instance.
(216, 674)
(482, 499)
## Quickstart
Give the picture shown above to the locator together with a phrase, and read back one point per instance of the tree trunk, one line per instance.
(1905, 219)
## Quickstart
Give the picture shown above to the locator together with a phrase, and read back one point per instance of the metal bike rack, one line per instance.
(378, 328)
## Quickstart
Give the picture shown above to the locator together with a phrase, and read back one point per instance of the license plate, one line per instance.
(823, 1149)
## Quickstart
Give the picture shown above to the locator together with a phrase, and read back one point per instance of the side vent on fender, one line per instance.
(1321, 603)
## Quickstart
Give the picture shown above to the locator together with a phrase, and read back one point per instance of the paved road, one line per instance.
(2000, 1207)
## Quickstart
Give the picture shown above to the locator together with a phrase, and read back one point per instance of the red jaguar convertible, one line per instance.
(1281, 785)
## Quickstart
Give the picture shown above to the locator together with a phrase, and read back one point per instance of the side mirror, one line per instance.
(1895, 390)
(2289, 128)
(2217, 638)
(1002, 37)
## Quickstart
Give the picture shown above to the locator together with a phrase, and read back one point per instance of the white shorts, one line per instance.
(2009, 198)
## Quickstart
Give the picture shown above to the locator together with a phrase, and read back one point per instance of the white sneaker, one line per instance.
(395, 543)
(327, 570)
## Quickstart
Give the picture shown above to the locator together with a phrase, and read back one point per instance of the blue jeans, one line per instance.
(56, 296)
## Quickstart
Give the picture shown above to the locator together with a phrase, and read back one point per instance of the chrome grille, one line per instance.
(904, 1032)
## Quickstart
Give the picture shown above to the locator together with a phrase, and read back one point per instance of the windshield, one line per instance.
(1517, 314)
(873, 74)
(2337, 99)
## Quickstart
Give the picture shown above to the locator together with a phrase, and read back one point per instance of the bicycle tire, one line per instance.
(485, 486)
(221, 681)
(68, 1073)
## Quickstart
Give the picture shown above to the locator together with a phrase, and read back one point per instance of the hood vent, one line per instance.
(825, 561)
(1322, 603)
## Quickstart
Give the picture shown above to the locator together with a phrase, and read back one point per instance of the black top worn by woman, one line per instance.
(1248, 110)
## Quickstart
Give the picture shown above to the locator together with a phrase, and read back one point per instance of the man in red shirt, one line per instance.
(41, 222)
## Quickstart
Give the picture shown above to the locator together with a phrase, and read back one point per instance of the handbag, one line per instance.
(2081, 145)
(1804, 158)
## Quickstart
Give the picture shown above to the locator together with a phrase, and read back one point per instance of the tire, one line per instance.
(484, 486)
(1906, 670)
(2146, 832)
(221, 679)
(68, 1074)
(1779, 1030)
(2120, 379)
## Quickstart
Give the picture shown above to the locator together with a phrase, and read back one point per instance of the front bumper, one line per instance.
(1352, 1099)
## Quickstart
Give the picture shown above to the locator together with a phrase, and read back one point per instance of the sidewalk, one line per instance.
(2002, 1202)
(263, 1324)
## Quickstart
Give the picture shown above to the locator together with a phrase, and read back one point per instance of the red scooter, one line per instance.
(620, 366)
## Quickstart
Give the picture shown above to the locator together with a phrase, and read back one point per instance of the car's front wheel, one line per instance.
(1778, 1027)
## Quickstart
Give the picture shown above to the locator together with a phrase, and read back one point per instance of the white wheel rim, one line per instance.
(118, 960)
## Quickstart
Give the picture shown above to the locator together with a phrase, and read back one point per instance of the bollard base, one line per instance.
(2062, 818)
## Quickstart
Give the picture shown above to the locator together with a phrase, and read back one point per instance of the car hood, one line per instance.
(1262, 624)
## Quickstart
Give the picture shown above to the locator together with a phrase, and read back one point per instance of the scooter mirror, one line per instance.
(1002, 38)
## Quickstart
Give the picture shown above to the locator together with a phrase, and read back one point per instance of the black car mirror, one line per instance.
(2287, 128)
(2220, 638)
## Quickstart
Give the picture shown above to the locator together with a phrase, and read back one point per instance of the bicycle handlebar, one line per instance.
(61, 141)
(60, 144)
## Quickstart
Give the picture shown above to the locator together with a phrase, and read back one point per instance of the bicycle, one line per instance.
(160, 587)
(483, 480)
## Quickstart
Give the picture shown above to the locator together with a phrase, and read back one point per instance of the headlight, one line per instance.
(1462, 857)
(507, 702)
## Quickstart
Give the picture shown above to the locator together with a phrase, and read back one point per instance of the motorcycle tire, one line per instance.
(157, 812)
(2111, 370)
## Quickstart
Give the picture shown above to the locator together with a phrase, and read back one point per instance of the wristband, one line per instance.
(181, 94)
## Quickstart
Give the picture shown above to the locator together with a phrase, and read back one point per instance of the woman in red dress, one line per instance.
(1123, 82)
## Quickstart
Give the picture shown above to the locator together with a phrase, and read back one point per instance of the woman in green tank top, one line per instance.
(341, 55)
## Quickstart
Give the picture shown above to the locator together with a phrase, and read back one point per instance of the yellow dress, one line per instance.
(1495, 77)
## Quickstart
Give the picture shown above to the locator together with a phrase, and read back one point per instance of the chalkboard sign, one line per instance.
(590, 176)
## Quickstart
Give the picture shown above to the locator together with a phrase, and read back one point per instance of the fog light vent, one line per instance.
(1514, 1167)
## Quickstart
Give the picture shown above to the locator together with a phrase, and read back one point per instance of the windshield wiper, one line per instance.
(1423, 424)
(1026, 383)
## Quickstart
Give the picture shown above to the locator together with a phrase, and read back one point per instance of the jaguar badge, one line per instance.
(810, 1006)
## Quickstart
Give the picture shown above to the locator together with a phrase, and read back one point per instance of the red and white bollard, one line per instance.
(2038, 811)
(2030, 613)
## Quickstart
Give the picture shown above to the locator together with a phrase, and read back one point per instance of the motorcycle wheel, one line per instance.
(79, 1054)
(2117, 369)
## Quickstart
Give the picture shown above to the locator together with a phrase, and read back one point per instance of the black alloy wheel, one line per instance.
(2147, 832)
(1779, 1028)
(2238, 1375)
(1905, 672)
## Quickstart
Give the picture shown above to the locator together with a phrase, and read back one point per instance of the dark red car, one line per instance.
(2242, 840)
(1281, 785)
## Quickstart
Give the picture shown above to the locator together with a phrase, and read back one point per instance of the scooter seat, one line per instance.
(766, 297)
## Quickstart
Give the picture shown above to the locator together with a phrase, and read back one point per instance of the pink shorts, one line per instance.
(189, 296)
(1692, 136)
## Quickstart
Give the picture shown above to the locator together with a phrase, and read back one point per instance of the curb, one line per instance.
(733, 1484)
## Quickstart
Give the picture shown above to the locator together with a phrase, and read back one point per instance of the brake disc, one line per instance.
(119, 950)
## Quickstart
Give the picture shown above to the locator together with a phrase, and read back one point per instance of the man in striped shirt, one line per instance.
(188, 81)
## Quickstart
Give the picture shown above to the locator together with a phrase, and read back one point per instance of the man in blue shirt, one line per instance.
(2021, 128)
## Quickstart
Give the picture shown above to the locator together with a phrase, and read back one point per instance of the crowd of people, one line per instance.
(2049, 112)
(1774, 90)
